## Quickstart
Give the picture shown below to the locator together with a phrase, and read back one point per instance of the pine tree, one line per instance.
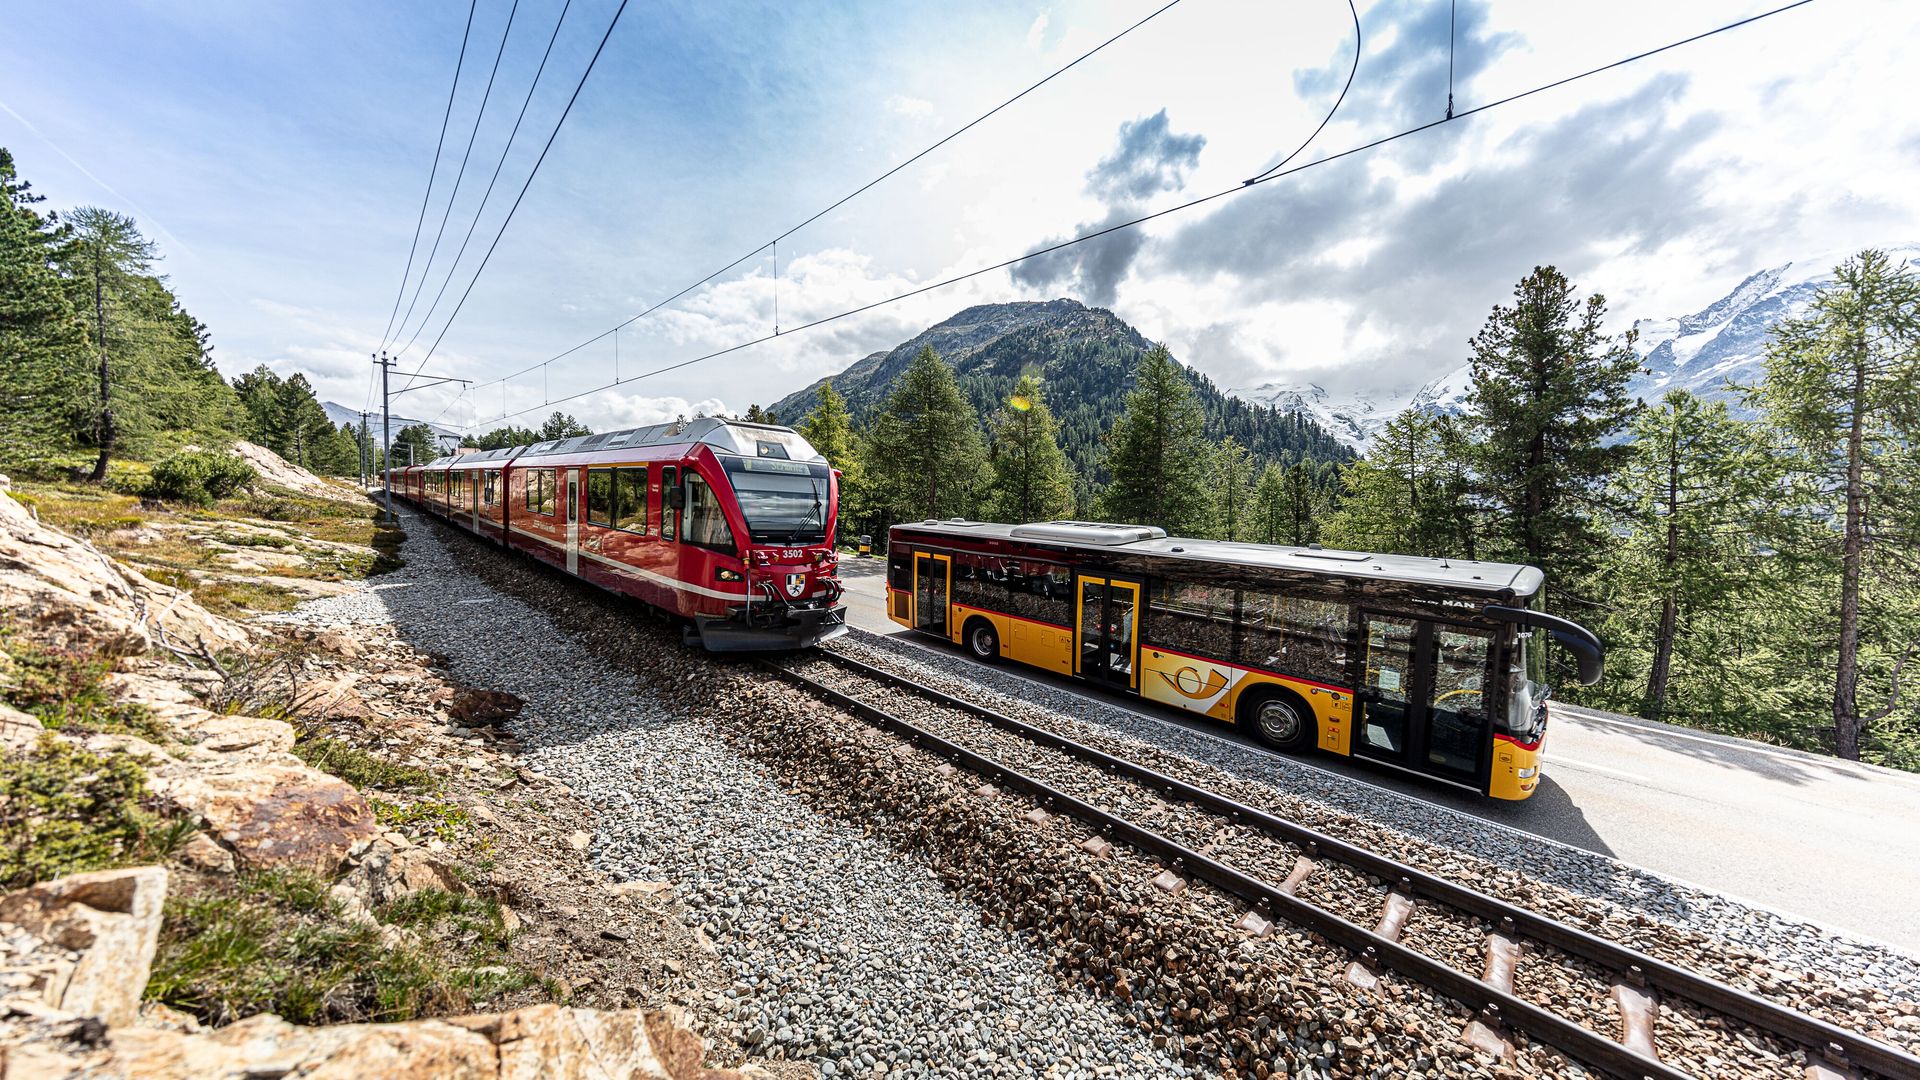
(1684, 559)
(303, 422)
(1032, 480)
(414, 445)
(43, 342)
(1397, 499)
(563, 426)
(1233, 490)
(830, 430)
(1549, 391)
(502, 438)
(1156, 453)
(758, 415)
(1843, 385)
(924, 456)
(105, 256)
(260, 401)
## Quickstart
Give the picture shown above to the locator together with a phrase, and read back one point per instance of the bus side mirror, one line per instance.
(1577, 639)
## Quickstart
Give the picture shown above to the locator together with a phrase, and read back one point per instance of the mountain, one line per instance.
(1085, 358)
(1709, 352)
(340, 414)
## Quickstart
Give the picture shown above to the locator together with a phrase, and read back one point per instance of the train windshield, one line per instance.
(784, 502)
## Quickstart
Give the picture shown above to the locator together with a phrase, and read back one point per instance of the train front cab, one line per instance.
(1457, 698)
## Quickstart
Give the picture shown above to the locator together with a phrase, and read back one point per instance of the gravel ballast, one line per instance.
(844, 953)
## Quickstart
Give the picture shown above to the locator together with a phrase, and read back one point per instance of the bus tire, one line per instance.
(982, 640)
(1279, 718)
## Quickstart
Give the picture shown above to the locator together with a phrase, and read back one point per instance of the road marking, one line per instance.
(1556, 760)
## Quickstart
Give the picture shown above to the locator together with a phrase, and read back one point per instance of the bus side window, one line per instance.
(900, 567)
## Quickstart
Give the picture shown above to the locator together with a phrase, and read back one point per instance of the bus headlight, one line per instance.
(1529, 772)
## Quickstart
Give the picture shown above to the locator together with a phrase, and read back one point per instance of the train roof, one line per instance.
(725, 436)
(1145, 540)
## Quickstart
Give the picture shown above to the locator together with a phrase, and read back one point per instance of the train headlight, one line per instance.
(724, 574)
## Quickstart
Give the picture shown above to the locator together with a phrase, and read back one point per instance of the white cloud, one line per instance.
(911, 107)
(1037, 33)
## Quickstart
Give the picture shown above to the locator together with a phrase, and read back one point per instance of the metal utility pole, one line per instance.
(387, 395)
(366, 452)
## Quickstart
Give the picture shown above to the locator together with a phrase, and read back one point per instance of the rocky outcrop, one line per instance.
(84, 943)
(544, 1042)
(276, 470)
(66, 593)
(272, 813)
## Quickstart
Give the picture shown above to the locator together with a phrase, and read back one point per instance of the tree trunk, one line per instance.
(108, 434)
(1669, 609)
(1846, 719)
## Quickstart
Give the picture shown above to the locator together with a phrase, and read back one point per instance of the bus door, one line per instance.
(573, 521)
(1422, 701)
(1106, 632)
(932, 579)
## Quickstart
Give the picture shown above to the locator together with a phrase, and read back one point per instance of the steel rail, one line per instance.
(1826, 1040)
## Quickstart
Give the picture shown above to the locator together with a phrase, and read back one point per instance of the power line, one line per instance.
(431, 173)
(854, 194)
(498, 166)
(1143, 219)
(465, 156)
(1351, 72)
(558, 124)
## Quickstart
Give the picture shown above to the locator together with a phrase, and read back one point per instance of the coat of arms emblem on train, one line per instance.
(796, 584)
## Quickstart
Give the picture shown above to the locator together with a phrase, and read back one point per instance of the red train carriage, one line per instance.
(727, 525)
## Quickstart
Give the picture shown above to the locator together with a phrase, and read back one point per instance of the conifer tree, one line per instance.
(1233, 490)
(1270, 506)
(1032, 479)
(829, 428)
(105, 257)
(1549, 391)
(43, 342)
(924, 457)
(1396, 500)
(1684, 561)
(758, 415)
(1156, 453)
(563, 426)
(1843, 385)
(414, 445)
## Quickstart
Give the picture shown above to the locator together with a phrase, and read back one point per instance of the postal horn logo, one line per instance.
(1187, 682)
(796, 584)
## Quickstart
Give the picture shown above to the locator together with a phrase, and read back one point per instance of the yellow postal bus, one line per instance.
(1422, 665)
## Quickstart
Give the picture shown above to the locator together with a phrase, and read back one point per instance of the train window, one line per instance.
(703, 521)
(490, 486)
(669, 480)
(630, 499)
(1303, 634)
(600, 496)
(1192, 618)
(540, 491)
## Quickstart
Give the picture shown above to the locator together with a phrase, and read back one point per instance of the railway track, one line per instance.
(1070, 778)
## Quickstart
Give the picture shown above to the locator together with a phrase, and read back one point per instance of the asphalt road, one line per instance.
(1831, 842)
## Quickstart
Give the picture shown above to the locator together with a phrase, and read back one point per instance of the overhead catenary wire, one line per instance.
(459, 176)
(1327, 119)
(1164, 212)
(857, 192)
(454, 266)
(387, 334)
(535, 171)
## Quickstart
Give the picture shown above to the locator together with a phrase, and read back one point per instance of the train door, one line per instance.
(573, 521)
(1422, 700)
(932, 583)
(474, 482)
(1106, 632)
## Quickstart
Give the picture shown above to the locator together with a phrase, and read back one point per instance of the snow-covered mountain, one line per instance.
(1721, 345)
(340, 414)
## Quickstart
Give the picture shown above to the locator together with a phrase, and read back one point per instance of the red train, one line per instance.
(724, 524)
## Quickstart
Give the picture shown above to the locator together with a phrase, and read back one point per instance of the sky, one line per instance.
(279, 155)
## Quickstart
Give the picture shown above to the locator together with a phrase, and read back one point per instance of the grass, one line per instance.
(64, 810)
(244, 596)
(66, 689)
(436, 816)
(359, 768)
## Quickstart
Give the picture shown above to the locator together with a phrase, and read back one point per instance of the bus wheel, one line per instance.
(983, 641)
(1278, 718)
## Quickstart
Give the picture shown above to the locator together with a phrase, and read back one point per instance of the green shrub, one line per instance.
(66, 689)
(359, 768)
(64, 810)
(199, 477)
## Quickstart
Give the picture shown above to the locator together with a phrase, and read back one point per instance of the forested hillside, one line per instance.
(1085, 358)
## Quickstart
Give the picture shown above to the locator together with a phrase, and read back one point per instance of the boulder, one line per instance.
(19, 731)
(98, 933)
(481, 708)
(277, 470)
(65, 593)
(274, 812)
(204, 853)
